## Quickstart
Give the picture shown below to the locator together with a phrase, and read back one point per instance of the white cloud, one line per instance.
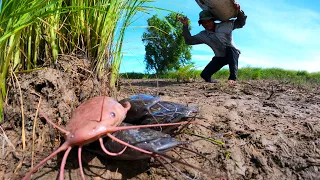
(310, 64)
(198, 57)
(202, 48)
(284, 22)
(280, 34)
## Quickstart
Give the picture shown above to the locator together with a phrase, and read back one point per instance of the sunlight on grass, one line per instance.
(33, 31)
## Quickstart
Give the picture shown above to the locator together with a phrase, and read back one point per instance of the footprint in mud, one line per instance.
(235, 122)
(230, 104)
(236, 163)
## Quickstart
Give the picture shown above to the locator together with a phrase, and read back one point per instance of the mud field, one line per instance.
(258, 129)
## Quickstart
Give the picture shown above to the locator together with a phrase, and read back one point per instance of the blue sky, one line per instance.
(279, 33)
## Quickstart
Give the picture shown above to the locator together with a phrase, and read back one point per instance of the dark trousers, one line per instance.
(217, 63)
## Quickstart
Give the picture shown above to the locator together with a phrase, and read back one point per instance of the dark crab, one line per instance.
(147, 139)
(140, 106)
(147, 109)
(151, 140)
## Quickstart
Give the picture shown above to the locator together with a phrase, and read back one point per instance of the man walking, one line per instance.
(218, 36)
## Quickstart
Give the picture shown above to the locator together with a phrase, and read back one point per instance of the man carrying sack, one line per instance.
(218, 36)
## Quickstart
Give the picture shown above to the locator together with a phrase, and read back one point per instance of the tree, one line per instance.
(164, 44)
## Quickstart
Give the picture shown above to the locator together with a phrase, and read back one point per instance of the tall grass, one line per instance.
(44, 29)
(186, 73)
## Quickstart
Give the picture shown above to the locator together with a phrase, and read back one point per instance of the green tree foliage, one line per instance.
(164, 44)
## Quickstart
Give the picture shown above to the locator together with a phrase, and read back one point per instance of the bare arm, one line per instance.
(190, 40)
(240, 21)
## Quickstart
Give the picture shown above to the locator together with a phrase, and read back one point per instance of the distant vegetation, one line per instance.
(165, 49)
(188, 73)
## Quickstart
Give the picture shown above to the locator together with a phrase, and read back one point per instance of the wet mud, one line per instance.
(257, 129)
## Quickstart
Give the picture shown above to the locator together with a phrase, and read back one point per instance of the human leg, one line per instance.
(214, 65)
(232, 56)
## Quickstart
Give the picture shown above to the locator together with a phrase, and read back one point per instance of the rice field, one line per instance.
(189, 73)
(37, 32)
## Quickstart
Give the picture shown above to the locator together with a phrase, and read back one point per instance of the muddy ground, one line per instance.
(269, 130)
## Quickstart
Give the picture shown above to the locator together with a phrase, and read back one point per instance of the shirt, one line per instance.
(218, 40)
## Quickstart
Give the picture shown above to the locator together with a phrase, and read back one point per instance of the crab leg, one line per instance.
(108, 152)
(61, 148)
(63, 163)
(53, 124)
(80, 162)
(127, 144)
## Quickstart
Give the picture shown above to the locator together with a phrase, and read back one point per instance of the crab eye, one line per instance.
(112, 114)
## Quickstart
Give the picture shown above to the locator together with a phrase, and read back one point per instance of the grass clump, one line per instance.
(186, 73)
(34, 32)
